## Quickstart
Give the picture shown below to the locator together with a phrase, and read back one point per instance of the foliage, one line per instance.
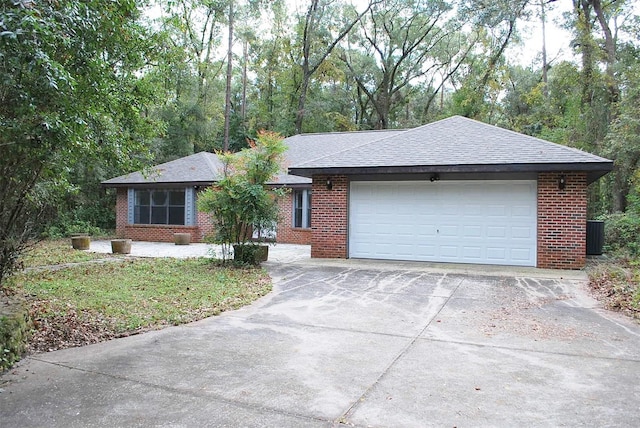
(241, 203)
(622, 233)
(15, 326)
(617, 285)
(70, 94)
(65, 226)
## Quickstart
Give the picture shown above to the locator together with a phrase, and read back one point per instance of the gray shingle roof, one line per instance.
(456, 144)
(453, 144)
(305, 147)
(201, 168)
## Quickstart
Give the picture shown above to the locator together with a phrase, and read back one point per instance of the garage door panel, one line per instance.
(521, 211)
(521, 254)
(496, 231)
(465, 221)
(521, 232)
(496, 253)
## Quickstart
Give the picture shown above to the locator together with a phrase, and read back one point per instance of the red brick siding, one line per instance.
(562, 220)
(203, 221)
(329, 217)
(122, 210)
(286, 233)
(159, 232)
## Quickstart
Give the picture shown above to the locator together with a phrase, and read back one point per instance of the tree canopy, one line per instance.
(93, 88)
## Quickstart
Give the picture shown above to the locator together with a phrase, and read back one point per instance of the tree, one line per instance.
(399, 44)
(241, 203)
(318, 41)
(70, 95)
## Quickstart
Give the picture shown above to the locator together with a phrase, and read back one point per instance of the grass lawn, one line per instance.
(57, 252)
(92, 302)
(617, 284)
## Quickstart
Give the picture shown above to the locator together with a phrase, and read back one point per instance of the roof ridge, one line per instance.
(207, 158)
(360, 131)
(400, 131)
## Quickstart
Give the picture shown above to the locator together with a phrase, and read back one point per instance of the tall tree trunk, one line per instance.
(545, 66)
(227, 105)
(493, 60)
(585, 39)
(244, 81)
(302, 98)
(610, 49)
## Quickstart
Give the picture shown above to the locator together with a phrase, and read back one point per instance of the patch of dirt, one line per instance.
(517, 316)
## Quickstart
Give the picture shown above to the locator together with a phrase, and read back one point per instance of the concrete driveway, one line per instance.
(356, 343)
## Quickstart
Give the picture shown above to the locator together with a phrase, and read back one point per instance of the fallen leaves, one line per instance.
(617, 286)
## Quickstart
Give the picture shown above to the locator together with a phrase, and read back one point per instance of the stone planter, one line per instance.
(182, 238)
(121, 246)
(80, 242)
(250, 254)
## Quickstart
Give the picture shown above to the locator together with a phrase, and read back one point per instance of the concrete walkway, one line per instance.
(278, 253)
(355, 343)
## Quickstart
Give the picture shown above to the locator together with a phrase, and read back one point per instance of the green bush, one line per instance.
(65, 226)
(241, 203)
(15, 326)
(622, 233)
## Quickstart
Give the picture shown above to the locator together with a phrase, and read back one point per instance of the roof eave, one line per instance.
(594, 170)
(157, 184)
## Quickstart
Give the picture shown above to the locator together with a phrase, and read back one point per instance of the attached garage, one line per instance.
(456, 190)
(484, 222)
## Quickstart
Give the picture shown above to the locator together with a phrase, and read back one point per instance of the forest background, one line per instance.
(94, 89)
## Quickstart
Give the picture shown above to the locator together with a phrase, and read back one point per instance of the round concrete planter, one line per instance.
(182, 238)
(121, 246)
(80, 242)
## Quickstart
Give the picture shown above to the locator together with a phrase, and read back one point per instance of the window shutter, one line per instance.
(189, 206)
(131, 199)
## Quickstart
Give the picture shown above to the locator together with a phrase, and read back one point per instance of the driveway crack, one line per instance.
(352, 408)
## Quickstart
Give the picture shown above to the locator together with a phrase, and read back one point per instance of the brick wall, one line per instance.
(121, 212)
(286, 233)
(159, 232)
(562, 220)
(329, 217)
(205, 225)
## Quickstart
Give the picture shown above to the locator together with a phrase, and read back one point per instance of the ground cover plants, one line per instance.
(89, 302)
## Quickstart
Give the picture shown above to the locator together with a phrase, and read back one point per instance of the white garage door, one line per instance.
(489, 222)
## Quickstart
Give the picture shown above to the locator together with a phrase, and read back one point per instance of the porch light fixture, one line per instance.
(329, 184)
(562, 182)
(434, 177)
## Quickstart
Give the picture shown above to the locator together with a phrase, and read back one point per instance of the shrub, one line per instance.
(240, 203)
(66, 226)
(622, 233)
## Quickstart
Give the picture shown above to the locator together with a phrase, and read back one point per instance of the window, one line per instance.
(302, 208)
(159, 207)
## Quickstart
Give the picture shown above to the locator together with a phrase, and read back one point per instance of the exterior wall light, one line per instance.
(562, 182)
(434, 177)
(329, 184)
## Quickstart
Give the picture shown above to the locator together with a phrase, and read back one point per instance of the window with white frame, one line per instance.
(302, 208)
(158, 206)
